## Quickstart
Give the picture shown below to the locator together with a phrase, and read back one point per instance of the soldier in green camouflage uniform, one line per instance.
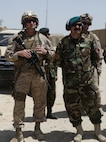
(76, 54)
(51, 72)
(87, 21)
(27, 78)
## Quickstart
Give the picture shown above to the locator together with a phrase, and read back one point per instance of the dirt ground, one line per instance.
(59, 130)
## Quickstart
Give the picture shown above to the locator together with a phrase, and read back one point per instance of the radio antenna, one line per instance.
(46, 19)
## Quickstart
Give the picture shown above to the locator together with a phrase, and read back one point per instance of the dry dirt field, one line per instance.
(59, 130)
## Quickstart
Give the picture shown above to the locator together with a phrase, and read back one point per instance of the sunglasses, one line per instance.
(77, 24)
(86, 23)
(30, 20)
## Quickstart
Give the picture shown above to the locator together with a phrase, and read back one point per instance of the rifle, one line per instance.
(35, 59)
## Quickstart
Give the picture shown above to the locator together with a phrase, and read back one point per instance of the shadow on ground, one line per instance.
(53, 136)
(60, 114)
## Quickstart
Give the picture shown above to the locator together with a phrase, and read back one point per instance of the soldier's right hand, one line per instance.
(25, 53)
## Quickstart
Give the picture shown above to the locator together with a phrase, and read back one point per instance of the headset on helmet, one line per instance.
(68, 25)
(29, 14)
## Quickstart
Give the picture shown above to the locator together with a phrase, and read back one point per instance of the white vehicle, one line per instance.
(6, 68)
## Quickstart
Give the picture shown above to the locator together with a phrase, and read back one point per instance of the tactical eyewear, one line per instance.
(85, 23)
(77, 24)
(30, 20)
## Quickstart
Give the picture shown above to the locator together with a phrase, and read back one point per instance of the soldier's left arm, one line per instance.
(100, 53)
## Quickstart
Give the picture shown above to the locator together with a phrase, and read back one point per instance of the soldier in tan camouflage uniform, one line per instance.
(76, 54)
(27, 78)
(87, 21)
(51, 72)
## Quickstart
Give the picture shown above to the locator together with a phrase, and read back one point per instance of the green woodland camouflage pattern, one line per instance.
(51, 72)
(78, 58)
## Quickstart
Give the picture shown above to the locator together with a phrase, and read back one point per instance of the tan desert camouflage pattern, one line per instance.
(27, 79)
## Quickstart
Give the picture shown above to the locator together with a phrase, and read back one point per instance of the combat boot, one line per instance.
(19, 135)
(49, 114)
(38, 133)
(101, 111)
(98, 134)
(79, 135)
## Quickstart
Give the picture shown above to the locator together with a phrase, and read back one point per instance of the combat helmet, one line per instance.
(27, 15)
(86, 18)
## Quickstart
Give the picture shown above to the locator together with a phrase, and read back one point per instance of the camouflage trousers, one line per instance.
(88, 96)
(97, 81)
(51, 94)
(29, 82)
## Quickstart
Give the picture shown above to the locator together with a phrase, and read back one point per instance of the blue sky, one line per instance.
(59, 11)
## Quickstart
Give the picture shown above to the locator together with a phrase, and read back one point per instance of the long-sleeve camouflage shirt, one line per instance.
(77, 58)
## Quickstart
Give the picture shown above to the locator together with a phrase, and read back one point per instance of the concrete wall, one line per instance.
(55, 39)
(102, 36)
